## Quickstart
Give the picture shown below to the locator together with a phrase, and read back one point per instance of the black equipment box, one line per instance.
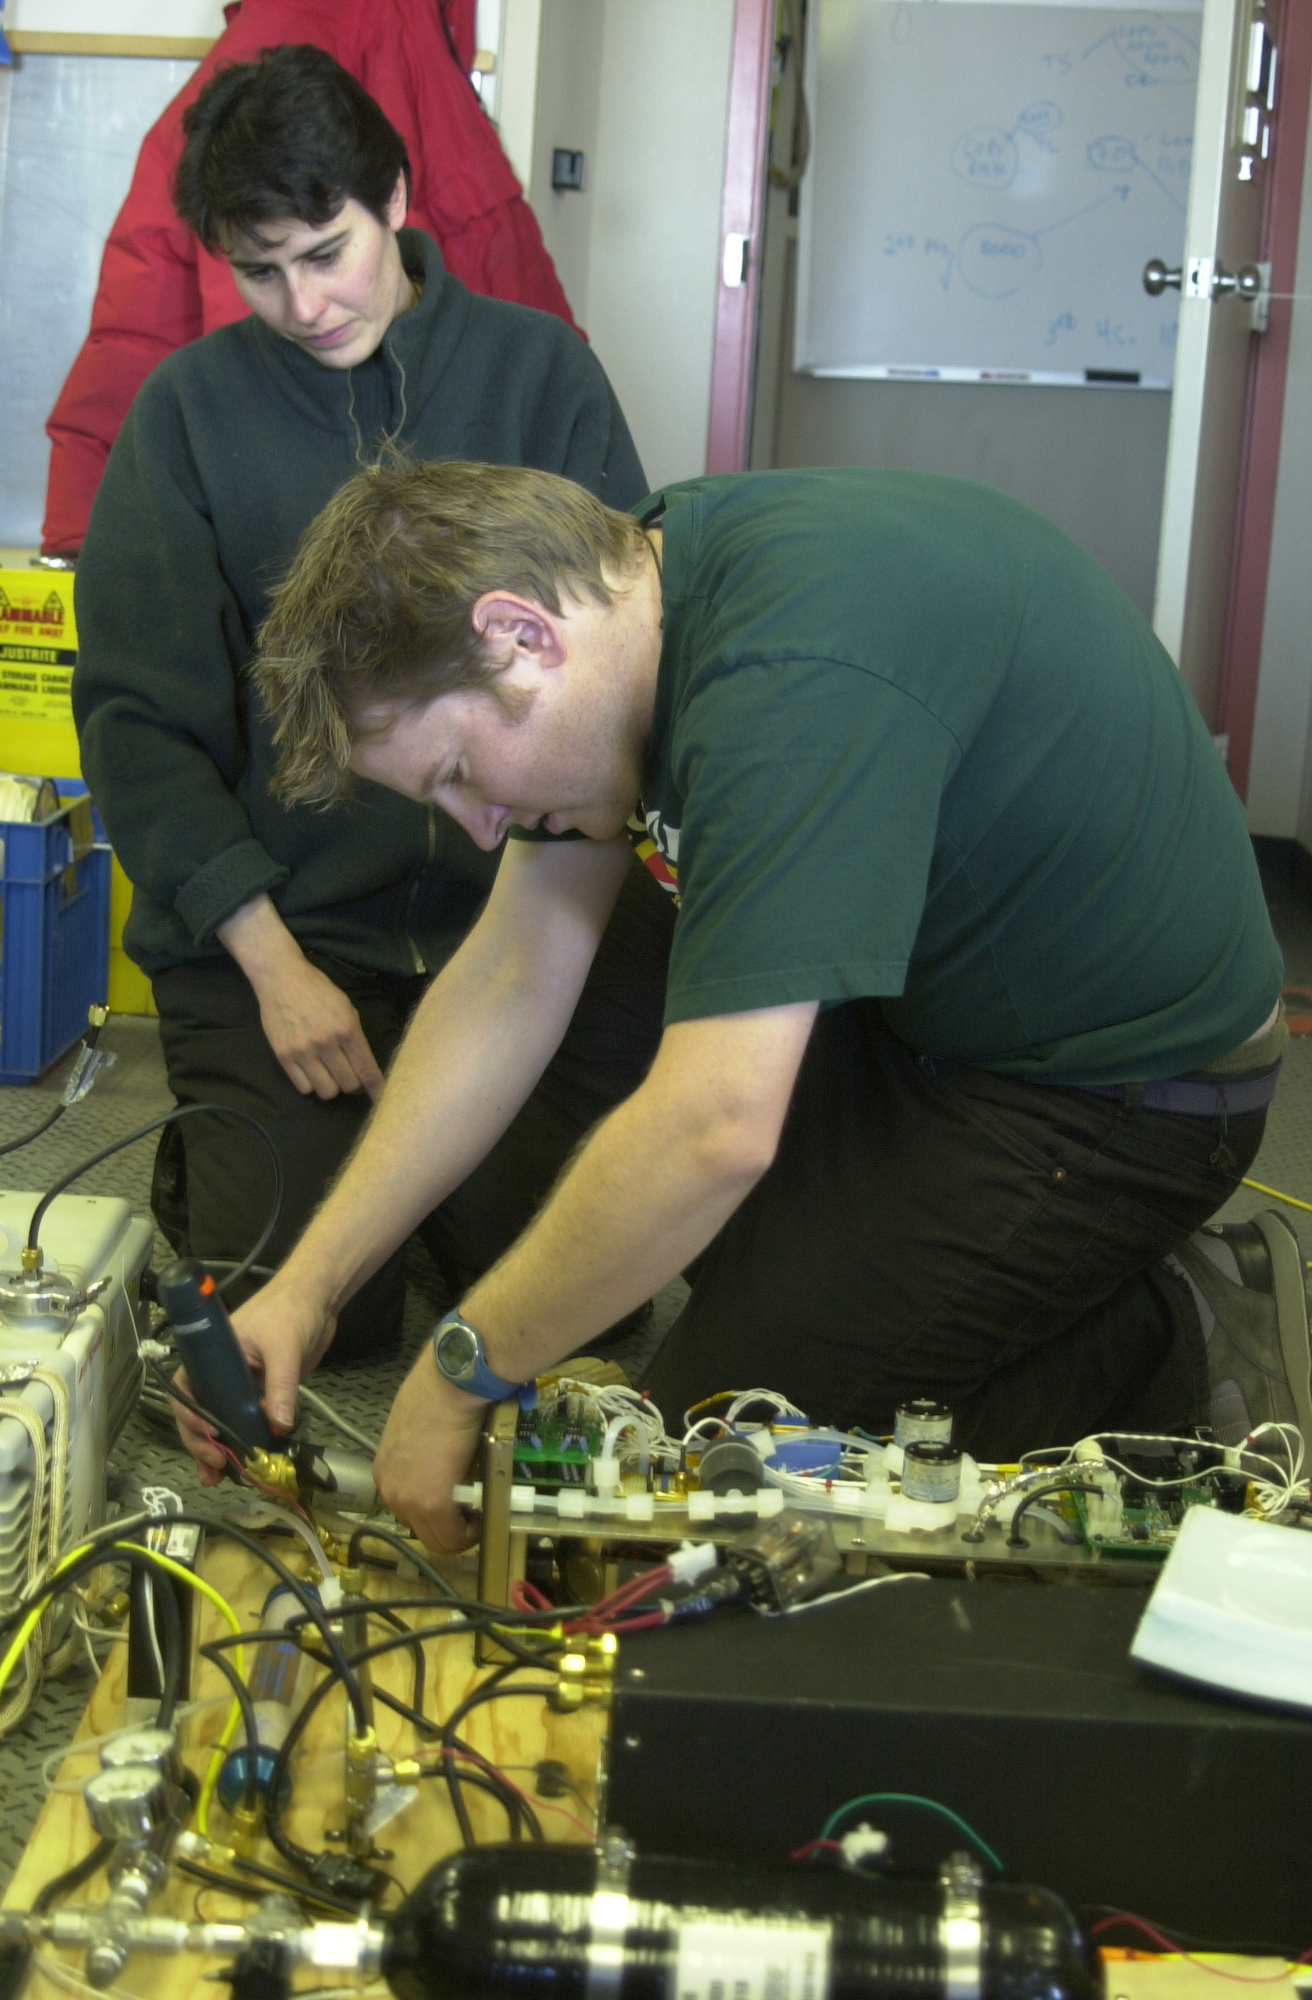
(1014, 1704)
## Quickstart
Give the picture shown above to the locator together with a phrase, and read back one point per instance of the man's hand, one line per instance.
(284, 1335)
(427, 1447)
(308, 1022)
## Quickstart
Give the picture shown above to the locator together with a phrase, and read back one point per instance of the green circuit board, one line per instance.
(555, 1445)
(1148, 1531)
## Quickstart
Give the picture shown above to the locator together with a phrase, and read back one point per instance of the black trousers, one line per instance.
(213, 1185)
(992, 1242)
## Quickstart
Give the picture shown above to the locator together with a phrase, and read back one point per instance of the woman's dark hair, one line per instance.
(291, 134)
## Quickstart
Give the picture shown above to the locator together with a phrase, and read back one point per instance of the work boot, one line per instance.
(1248, 1281)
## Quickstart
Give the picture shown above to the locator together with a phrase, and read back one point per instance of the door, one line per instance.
(1219, 321)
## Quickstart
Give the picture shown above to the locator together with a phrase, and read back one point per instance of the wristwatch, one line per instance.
(458, 1352)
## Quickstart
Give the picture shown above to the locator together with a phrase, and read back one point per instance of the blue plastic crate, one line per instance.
(54, 933)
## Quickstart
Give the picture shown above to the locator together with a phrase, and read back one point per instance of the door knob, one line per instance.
(1207, 278)
(1246, 282)
(1156, 277)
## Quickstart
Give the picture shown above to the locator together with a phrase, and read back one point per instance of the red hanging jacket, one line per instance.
(159, 289)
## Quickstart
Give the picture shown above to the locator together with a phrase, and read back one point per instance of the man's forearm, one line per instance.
(478, 1042)
(651, 1187)
(433, 1124)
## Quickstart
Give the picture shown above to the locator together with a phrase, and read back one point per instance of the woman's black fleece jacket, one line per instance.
(230, 449)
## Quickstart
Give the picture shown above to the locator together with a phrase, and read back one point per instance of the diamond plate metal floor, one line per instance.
(135, 1092)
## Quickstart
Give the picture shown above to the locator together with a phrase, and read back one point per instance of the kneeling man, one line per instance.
(972, 1015)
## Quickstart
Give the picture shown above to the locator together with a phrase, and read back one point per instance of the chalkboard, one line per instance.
(986, 184)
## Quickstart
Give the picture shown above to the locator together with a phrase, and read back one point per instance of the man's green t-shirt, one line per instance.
(911, 742)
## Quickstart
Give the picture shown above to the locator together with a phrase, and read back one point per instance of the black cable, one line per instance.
(290, 1850)
(389, 1617)
(492, 1780)
(490, 1690)
(517, 1808)
(408, 1550)
(164, 1599)
(289, 1882)
(251, 1781)
(144, 1132)
(89, 1040)
(72, 1878)
(168, 1384)
(234, 1886)
(1015, 1540)
(37, 1132)
(310, 1605)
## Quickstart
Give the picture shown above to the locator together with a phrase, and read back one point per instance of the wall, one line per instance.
(568, 113)
(1092, 460)
(1280, 775)
(642, 87)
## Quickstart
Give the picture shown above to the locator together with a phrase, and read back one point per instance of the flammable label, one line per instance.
(38, 644)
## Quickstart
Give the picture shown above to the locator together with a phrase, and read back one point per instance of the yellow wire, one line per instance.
(230, 1726)
(196, 1583)
(1293, 1200)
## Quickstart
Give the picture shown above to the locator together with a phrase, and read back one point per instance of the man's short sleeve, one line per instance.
(811, 795)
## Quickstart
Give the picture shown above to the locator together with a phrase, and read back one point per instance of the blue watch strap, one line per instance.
(469, 1369)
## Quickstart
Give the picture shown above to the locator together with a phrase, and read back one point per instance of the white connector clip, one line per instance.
(863, 1841)
(692, 1560)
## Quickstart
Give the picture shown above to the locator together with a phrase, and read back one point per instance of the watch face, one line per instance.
(458, 1352)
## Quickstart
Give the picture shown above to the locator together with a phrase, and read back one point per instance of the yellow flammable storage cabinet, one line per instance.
(38, 650)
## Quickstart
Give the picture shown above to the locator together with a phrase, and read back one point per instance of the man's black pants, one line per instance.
(989, 1241)
(213, 1182)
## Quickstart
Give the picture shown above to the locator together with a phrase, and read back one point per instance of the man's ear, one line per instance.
(511, 625)
(398, 203)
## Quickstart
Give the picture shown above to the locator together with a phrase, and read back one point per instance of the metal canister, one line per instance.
(931, 1470)
(922, 1417)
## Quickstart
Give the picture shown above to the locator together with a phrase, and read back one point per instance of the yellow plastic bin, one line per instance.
(38, 650)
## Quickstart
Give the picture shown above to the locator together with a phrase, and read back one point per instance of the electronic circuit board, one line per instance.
(1148, 1527)
(555, 1445)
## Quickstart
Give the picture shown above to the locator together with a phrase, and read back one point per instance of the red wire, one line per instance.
(811, 1847)
(472, 1757)
(598, 1616)
(525, 1596)
(1165, 1943)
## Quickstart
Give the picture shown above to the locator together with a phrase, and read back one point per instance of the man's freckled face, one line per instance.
(490, 767)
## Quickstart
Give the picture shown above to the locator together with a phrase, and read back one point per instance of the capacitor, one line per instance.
(931, 1470)
(275, 1690)
(921, 1417)
(560, 1922)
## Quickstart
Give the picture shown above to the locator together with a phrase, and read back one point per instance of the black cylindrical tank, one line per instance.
(565, 1923)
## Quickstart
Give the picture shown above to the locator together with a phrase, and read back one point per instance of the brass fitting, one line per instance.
(97, 1016)
(247, 1823)
(588, 1674)
(32, 1260)
(351, 1580)
(361, 1791)
(273, 1469)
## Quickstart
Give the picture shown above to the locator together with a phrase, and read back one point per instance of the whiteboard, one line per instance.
(987, 181)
